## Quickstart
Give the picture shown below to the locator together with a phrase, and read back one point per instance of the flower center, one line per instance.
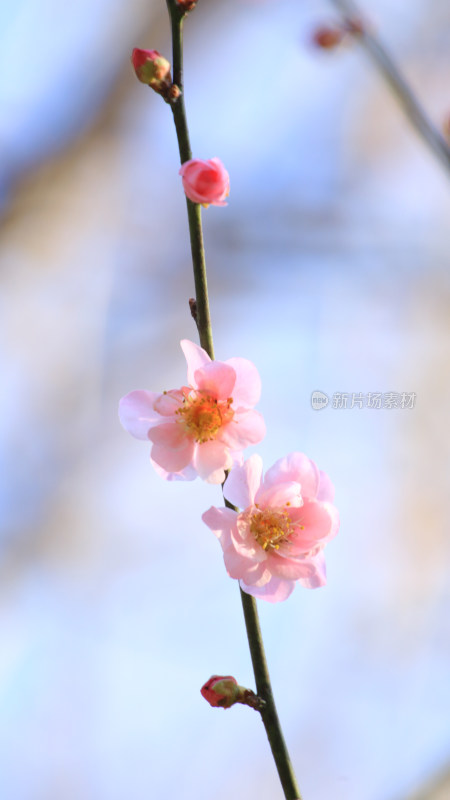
(203, 415)
(271, 528)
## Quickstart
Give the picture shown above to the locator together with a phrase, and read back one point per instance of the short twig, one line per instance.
(387, 67)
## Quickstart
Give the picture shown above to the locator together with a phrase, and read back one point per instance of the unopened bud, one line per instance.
(187, 5)
(222, 690)
(328, 37)
(152, 68)
(173, 92)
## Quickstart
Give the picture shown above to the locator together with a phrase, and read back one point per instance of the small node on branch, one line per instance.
(446, 127)
(172, 94)
(354, 26)
(253, 700)
(223, 691)
(193, 309)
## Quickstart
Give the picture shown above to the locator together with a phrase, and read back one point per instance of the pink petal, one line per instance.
(244, 541)
(257, 574)
(173, 460)
(137, 414)
(221, 521)
(295, 467)
(321, 523)
(238, 460)
(245, 429)
(275, 591)
(216, 477)
(289, 568)
(247, 390)
(192, 168)
(236, 564)
(216, 378)
(239, 567)
(210, 461)
(217, 162)
(279, 494)
(196, 358)
(168, 402)
(243, 482)
(186, 474)
(194, 195)
(335, 521)
(318, 573)
(170, 435)
(326, 488)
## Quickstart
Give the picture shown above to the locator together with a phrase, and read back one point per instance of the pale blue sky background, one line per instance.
(329, 270)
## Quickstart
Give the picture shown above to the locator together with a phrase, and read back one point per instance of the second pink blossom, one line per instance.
(205, 182)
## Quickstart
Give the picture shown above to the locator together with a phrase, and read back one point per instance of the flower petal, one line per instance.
(168, 402)
(245, 429)
(275, 591)
(210, 461)
(240, 567)
(320, 523)
(236, 564)
(295, 467)
(290, 568)
(216, 378)
(137, 413)
(196, 358)
(173, 460)
(171, 435)
(326, 488)
(257, 574)
(279, 494)
(318, 573)
(243, 482)
(244, 541)
(186, 474)
(247, 390)
(221, 521)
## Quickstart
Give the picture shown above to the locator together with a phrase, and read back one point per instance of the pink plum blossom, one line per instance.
(278, 538)
(202, 428)
(205, 182)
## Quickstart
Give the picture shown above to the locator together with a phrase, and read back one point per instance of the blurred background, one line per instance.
(329, 269)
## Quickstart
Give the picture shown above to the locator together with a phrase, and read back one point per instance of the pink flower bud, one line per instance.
(187, 5)
(205, 182)
(152, 68)
(221, 690)
(327, 37)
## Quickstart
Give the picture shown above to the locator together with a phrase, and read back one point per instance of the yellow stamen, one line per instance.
(203, 415)
(271, 528)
